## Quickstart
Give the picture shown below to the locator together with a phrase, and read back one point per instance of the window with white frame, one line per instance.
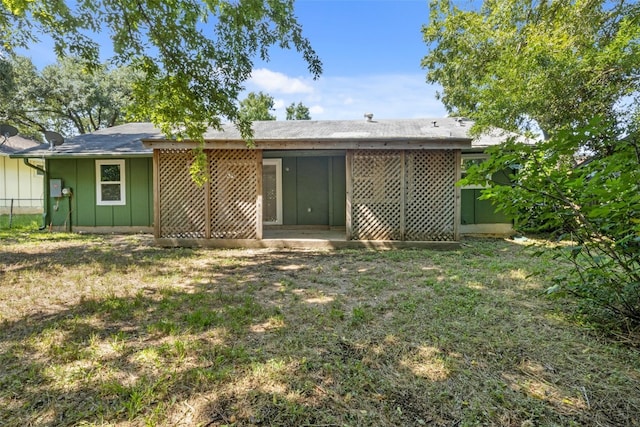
(272, 191)
(110, 182)
(469, 160)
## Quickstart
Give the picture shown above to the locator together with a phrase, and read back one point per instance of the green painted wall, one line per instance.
(317, 183)
(475, 211)
(80, 176)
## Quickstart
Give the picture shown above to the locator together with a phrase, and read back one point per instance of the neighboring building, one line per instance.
(21, 186)
(363, 181)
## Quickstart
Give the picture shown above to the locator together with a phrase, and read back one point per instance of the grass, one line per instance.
(109, 330)
(21, 222)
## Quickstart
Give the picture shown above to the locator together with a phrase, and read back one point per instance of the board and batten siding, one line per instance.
(21, 185)
(136, 215)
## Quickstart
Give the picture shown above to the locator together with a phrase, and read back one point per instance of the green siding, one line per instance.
(316, 182)
(313, 191)
(475, 211)
(338, 179)
(141, 170)
(289, 190)
(467, 207)
(80, 175)
(85, 193)
(58, 208)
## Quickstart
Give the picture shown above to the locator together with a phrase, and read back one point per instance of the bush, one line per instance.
(594, 204)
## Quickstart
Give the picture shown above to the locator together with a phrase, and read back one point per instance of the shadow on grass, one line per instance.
(291, 338)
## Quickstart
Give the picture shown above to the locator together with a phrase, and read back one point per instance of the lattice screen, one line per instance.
(377, 190)
(182, 203)
(406, 195)
(431, 197)
(234, 175)
(231, 192)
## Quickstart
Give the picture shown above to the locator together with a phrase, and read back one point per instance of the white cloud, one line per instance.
(278, 103)
(387, 96)
(278, 83)
(316, 109)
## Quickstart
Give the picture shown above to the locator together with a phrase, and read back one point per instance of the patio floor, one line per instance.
(305, 238)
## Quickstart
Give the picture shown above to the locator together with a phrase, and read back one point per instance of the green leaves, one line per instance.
(69, 97)
(521, 65)
(595, 203)
(193, 56)
(298, 111)
(257, 106)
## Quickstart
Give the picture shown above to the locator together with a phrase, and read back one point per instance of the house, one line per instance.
(357, 181)
(479, 217)
(21, 186)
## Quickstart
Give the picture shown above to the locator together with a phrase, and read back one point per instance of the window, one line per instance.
(110, 182)
(467, 162)
(272, 191)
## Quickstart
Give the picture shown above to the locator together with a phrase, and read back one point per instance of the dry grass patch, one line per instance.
(114, 331)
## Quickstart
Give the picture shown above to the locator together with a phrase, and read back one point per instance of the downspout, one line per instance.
(45, 201)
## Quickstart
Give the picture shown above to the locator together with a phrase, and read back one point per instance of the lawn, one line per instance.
(110, 330)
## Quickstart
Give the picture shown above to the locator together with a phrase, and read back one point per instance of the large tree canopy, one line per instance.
(63, 97)
(534, 64)
(193, 55)
(257, 106)
(572, 69)
(298, 111)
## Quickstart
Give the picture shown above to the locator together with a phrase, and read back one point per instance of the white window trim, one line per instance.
(462, 168)
(122, 182)
(278, 164)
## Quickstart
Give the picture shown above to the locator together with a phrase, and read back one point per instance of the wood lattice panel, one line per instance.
(376, 195)
(182, 202)
(234, 193)
(430, 195)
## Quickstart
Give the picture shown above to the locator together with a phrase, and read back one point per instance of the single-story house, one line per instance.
(21, 186)
(357, 181)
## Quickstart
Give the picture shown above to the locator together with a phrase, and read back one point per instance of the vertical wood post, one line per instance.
(259, 194)
(403, 193)
(156, 194)
(458, 195)
(349, 191)
(207, 196)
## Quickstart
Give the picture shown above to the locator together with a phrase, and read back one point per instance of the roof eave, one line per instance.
(319, 144)
(57, 155)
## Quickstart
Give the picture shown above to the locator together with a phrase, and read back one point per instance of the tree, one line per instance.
(571, 69)
(257, 106)
(519, 64)
(192, 57)
(64, 97)
(298, 112)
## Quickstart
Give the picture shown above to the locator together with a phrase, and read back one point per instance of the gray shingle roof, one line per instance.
(127, 140)
(15, 144)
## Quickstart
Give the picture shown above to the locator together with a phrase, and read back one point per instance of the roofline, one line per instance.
(408, 143)
(56, 155)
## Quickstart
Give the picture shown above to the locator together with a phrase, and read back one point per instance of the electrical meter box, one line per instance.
(55, 188)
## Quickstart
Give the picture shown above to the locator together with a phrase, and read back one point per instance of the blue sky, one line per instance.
(371, 52)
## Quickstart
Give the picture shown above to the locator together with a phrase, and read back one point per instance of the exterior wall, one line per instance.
(22, 184)
(388, 194)
(480, 216)
(313, 190)
(81, 211)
